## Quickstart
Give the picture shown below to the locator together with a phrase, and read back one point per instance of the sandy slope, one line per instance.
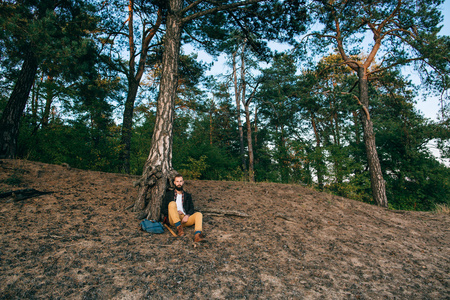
(80, 243)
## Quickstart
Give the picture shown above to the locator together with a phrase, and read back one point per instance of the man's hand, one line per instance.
(185, 219)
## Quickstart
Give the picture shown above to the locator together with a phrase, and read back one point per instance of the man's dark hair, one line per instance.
(176, 176)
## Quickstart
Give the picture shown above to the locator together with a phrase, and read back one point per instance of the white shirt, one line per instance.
(180, 203)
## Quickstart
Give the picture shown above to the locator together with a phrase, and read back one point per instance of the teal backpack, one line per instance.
(151, 226)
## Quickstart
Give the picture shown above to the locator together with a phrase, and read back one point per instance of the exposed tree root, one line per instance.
(221, 212)
(20, 195)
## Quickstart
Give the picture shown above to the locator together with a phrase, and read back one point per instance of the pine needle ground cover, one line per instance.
(81, 242)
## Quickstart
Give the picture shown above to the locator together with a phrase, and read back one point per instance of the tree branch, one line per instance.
(340, 47)
(252, 95)
(395, 64)
(215, 9)
(190, 6)
(394, 12)
(366, 111)
(390, 32)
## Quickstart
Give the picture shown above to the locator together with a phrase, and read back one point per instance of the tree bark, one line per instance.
(134, 78)
(34, 106)
(319, 159)
(48, 101)
(246, 102)
(251, 160)
(10, 120)
(376, 175)
(127, 124)
(133, 86)
(255, 126)
(357, 134)
(158, 167)
(237, 94)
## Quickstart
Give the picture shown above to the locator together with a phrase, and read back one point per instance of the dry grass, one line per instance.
(442, 209)
(80, 242)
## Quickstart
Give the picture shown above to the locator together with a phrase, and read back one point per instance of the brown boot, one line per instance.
(180, 230)
(199, 238)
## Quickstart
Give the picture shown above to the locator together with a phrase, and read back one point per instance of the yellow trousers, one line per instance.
(174, 217)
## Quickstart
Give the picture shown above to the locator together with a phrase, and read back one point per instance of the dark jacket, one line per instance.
(188, 205)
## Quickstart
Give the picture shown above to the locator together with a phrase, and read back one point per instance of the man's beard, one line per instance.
(179, 188)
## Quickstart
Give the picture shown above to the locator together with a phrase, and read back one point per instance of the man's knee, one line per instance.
(198, 215)
(172, 204)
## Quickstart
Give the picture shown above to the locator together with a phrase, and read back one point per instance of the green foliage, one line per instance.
(399, 134)
(141, 139)
(194, 168)
(423, 185)
(306, 129)
(56, 32)
(198, 143)
(215, 162)
(75, 144)
(356, 188)
(414, 179)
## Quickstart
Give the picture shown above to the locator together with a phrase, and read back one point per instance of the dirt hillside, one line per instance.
(80, 242)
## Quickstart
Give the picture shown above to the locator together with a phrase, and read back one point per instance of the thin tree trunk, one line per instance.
(134, 78)
(211, 129)
(48, 101)
(357, 135)
(158, 167)
(320, 171)
(127, 124)
(284, 160)
(34, 105)
(376, 175)
(255, 126)
(251, 170)
(337, 142)
(10, 120)
(133, 86)
(237, 94)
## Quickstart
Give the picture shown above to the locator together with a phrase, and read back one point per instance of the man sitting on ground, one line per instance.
(178, 206)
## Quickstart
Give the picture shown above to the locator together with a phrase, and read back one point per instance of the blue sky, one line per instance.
(430, 107)
(446, 12)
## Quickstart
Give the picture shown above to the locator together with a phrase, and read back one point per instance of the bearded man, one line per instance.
(179, 208)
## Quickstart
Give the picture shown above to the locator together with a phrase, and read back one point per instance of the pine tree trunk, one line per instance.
(251, 169)
(319, 157)
(134, 79)
(34, 106)
(158, 167)
(237, 94)
(357, 134)
(10, 120)
(376, 176)
(48, 101)
(133, 86)
(127, 124)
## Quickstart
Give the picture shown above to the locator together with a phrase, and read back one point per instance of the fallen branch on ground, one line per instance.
(221, 212)
(281, 216)
(20, 195)
(171, 231)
